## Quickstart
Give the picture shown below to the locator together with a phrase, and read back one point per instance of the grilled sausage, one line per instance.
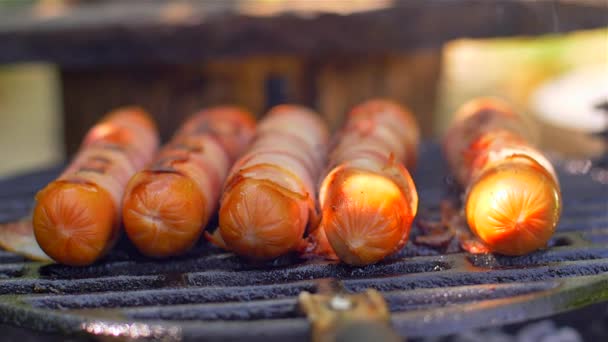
(269, 195)
(167, 205)
(76, 217)
(368, 199)
(513, 199)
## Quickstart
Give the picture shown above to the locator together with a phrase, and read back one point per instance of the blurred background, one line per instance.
(64, 63)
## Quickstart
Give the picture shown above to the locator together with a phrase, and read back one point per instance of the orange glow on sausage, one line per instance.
(167, 206)
(368, 199)
(269, 196)
(76, 217)
(513, 199)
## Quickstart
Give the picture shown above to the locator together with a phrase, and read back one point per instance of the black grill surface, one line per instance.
(215, 295)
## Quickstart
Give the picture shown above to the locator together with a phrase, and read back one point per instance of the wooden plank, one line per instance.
(122, 32)
(172, 92)
(169, 93)
(262, 81)
(409, 78)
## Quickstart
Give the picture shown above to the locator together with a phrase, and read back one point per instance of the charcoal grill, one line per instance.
(215, 295)
(108, 55)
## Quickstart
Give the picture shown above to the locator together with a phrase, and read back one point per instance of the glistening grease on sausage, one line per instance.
(513, 199)
(76, 217)
(269, 195)
(368, 199)
(167, 206)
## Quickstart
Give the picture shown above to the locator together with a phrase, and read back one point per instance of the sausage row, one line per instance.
(287, 188)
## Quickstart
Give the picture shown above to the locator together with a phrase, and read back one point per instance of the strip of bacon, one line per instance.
(513, 199)
(368, 198)
(269, 195)
(167, 205)
(18, 237)
(76, 218)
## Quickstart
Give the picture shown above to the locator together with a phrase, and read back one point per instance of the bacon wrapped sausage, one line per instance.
(513, 199)
(269, 195)
(167, 205)
(368, 199)
(76, 217)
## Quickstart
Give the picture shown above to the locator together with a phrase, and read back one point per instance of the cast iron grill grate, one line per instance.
(215, 295)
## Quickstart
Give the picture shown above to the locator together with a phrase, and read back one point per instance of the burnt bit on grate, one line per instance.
(430, 288)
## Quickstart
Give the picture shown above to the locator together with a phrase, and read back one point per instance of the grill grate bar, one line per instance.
(430, 298)
(311, 272)
(458, 278)
(501, 311)
(450, 278)
(229, 270)
(119, 283)
(287, 308)
(8, 271)
(110, 269)
(258, 309)
(170, 296)
(556, 254)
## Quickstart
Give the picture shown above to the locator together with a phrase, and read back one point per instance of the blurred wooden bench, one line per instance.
(175, 57)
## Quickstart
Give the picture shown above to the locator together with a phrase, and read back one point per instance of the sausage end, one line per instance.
(163, 213)
(514, 208)
(365, 216)
(75, 224)
(260, 221)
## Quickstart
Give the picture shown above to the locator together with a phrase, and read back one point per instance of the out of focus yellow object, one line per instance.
(30, 117)
(513, 69)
